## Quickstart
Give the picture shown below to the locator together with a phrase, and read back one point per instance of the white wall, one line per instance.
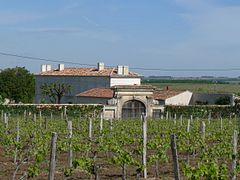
(180, 99)
(125, 81)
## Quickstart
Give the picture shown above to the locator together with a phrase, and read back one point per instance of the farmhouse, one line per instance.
(126, 101)
(118, 89)
(83, 79)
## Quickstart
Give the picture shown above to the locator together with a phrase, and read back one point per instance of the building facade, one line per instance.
(82, 79)
(118, 89)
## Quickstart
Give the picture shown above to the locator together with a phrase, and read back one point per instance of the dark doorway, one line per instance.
(133, 109)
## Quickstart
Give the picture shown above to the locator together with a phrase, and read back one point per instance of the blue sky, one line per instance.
(138, 33)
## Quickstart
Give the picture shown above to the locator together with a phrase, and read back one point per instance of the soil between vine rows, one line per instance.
(107, 170)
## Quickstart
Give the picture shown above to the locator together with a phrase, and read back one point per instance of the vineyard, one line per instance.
(90, 147)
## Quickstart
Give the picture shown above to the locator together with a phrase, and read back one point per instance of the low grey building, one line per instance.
(130, 101)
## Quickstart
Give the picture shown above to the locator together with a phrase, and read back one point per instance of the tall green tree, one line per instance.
(17, 84)
(55, 91)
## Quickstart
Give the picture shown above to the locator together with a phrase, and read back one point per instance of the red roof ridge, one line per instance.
(99, 92)
(85, 71)
(164, 94)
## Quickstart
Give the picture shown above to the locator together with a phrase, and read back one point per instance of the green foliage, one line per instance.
(54, 109)
(225, 100)
(122, 147)
(33, 171)
(1, 100)
(17, 84)
(68, 172)
(85, 164)
(184, 81)
(202, 111)
(55, 91)
(208, 170)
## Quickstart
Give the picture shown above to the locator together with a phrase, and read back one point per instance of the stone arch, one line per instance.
(133, 109)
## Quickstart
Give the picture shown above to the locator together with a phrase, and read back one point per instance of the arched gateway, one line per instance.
(133, 109)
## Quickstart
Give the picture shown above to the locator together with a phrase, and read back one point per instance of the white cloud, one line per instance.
(102, 35)
(90, 21)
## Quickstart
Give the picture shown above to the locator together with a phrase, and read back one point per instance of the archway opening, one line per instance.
(133, 109)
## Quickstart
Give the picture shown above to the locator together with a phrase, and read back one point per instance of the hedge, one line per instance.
(202, 111)
(47, 109)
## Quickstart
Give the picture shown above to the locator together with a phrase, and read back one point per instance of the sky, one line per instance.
(170, 34)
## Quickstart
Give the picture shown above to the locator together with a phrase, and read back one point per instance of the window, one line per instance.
(156, 114)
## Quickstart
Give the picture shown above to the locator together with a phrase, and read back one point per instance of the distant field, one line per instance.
(199, 87)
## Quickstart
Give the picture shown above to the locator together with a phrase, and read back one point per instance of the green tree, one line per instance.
(17, 84)
(223, 100)
(55, 91)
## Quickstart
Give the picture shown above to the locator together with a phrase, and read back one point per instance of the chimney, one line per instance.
(48, 67)
(43, 68)
(61, 67)
(100, 66)
(125, 70)
(120, 70)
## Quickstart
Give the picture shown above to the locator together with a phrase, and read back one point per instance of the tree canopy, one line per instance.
(17, 84)
(55, 91)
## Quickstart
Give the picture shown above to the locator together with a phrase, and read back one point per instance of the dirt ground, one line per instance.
(106, 171)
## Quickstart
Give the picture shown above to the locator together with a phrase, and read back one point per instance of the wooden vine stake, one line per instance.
(167, 115)
(40, 115)
(6, 123)
(111, 123)
(209, 117)
(17, 140)
(90, 129)
(175, 119)
(62, 116)
(188, 125)
(203, 130)
(181, 120)
(52, 164)
(65, 111)
(175, 157)
(25, 115)
(188, 130)
(234, 155)
(35, 117)
(70, 153)
(101, 122)
(40, 118)
(162, 117)
(144, 155)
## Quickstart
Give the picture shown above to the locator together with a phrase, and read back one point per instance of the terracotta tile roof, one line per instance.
(165, 94)
(86, 72)
(98, 93)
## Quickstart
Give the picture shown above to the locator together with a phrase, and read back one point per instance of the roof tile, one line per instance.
(86, 72)
(98, 93)
(165, 94)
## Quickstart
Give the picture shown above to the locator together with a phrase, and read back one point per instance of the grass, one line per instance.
(200, 87)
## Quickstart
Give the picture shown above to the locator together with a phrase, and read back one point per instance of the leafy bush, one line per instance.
(55, 109)
(224, 100)
(202, 111)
